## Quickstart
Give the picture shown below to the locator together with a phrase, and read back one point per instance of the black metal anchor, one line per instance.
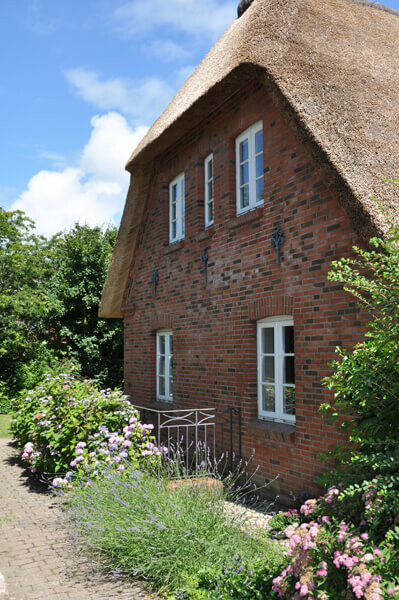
(277, 240)
(155, 280)
(205, 259)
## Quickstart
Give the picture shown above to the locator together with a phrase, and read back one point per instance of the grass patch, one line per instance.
(168, 536)
(5, 421)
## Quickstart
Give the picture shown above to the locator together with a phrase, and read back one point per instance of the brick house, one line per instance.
(260, 172)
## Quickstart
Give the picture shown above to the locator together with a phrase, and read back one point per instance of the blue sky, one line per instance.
(81, 80)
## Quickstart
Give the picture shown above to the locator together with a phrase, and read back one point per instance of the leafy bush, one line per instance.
(6, 401)
(240, 581)
(366, 379)
(67, 422)
(166, 533)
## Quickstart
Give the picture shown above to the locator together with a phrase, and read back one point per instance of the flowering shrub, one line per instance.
(66, 424)
(331, 556)
(281, 520)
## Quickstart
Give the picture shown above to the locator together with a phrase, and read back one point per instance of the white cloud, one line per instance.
(110, 145)
(38, 19)
(57, 159)
(91, 192)
(142, 100)
(167, 50)
(207, 18)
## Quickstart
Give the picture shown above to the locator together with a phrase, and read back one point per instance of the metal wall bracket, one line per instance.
(277, 240)
(205, 259)
(155, 280)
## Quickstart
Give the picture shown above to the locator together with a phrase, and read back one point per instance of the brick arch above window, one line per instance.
(161, 320)
(270, 306)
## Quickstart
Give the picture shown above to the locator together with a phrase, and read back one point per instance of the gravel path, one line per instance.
(36, 556)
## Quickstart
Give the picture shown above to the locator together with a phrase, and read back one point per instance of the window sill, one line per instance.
(248, 217)
(277, 432)
(173, 247)
(206, 234)
(161, 405)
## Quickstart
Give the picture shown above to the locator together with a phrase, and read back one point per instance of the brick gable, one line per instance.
(214, 326)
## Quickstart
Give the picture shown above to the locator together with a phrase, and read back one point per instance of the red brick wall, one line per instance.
(214, 327)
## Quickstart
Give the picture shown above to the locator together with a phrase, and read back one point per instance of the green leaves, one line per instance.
(81, 258)
(49, 298)
(365, 382)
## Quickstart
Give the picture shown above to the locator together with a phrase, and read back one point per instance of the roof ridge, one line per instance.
(377, 6)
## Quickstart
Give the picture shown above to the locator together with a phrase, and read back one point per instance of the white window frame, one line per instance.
(277, 323)
(179, 182)
(168, 356)
(209, 200)
(250, 135)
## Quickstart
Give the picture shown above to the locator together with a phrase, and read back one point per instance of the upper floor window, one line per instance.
(276, 369)
(176, 208)
(208, 169)
(164, 365)
(249, 168)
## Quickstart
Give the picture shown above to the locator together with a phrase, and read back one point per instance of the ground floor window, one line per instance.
(276, 369)
(164, 365)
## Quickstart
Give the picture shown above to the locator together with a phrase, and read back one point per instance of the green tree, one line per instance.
(25, 262)
(80, 265)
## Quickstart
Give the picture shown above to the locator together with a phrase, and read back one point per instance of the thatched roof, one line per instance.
(333, 67)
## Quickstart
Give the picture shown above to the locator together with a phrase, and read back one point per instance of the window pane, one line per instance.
(210, 212)
(161, 364)
(210, 190)
(268, 369)
(244, 173)
(174, 211)
(182, 187)
(161, 346)
(161, 385)
(259, 190)
(244, 151)
(171, 387)
(268, 340)
(288, 340)
(174, 230)
(171, 344)
(289, 370)
(268, 398)
(174, 193)
(244, 195)
(289, 400)
(259, 142)
(210, 169)
(259, 165)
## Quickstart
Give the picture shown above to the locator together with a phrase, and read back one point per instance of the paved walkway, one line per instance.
(36, 556)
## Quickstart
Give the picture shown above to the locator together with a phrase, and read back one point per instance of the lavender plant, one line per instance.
(161, 531)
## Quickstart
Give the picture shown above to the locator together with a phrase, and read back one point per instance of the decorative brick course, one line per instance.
(214, 326)
(160, 320)
(270, 306)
